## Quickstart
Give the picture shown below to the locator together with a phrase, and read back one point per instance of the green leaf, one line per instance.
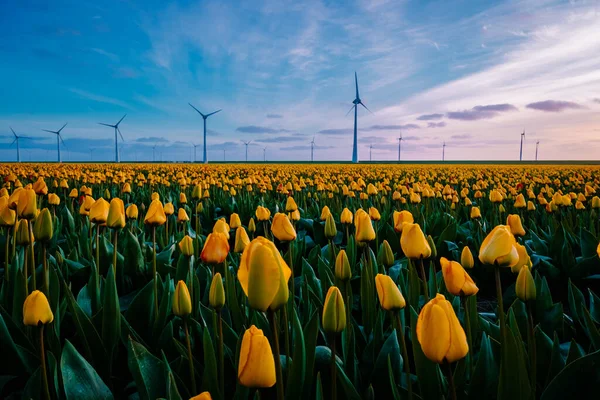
(111, 314)
(210, 378)
(576, 302)
(132, 254)
(484, 382)
(297, 372)
(80, 380)
(579, 379)
(388, 356)
(141, 310)
(15, 359)
(588, 243)
(575, 352)
(592, 330)
(514, 381)
(147, 371)
(311, 332)
(594, 306)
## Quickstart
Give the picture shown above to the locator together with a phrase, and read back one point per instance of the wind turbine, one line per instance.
(399, 146)
(58, 139)
(204, 117)
(444, 151)
(371, 152)
(154, 152)
(312, 149)
(16, 140)
(223, 154)
(116, 127)
(92, 153)
(195, 145)
(537, 144)
(356, 102)
(521, 151)
(246, 143)
(265, 154)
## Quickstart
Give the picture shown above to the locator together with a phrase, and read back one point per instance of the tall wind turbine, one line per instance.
(16, 140)
(265, 154)
(371, 152)
(537, 144)
(154, 152)
(444, 152)
(58, 139)
(117, 130)
(204, 117)
(399, 146)
(521, 151)
(356, 102)
(195, 145)
(312, 149)
(246, 144)
(92, 153)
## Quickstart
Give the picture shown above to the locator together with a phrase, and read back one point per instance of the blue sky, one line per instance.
(471, 73)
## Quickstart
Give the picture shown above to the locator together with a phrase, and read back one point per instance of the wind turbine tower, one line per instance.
(195, 146)
(117, 130)
(312, 149)
(444, 152)
(204, 117)
(537, 144)
(521, 151)
(356, 102)
(265, 154)
(399, 147)
(246, 144)
(16, 140)
(371, 152)
(58, 139)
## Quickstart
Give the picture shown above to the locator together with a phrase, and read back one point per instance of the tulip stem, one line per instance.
(451, 387)
(190, 359)
(45, 264)
(43, 363)
(468, 328)
(400, 334)
(31, 239)
(116, 237)
(424, 279)
(291, 251)
(333, 369)
(532, 349)
(500, 304)
(279, 376)
(221, 357)
(286, 332)
(154, 272)
(6, 247)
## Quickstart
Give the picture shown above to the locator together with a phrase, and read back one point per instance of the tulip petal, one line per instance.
(433, 333)
(263, 278)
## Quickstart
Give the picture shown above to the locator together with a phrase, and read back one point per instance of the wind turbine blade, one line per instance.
(366, 108)
(350, 110)
(198, 111)
(46, 130)
(112, 126)
(13, 131)
(213, 113)
(13, 142)
(121, 119)
(356, 82)
(118, 130)
(63, 127)
(61, 139)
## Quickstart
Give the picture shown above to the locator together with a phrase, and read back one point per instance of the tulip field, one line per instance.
(265, 281)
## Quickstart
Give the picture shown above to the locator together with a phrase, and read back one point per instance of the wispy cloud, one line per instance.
(340, 131)
(430, 117)
(259, 129)
(554, 106)
(436, 124)
(461, 136)
(392, 127)
(152, 139)
(274, 116)
(111, 56)
(98, 98)
(481, 112)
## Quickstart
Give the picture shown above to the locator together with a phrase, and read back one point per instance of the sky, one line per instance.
(473, 74)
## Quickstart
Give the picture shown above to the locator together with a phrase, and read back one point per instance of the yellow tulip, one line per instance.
(156, 214)
(342, 267)
(346, 217)
(330, 228)
(154, 196)
(325, 213)
(595, 202)
(251, 226)
(524, 259)
(414, 243)
(374, 214)
(525, 285)
(371, 190)
(182, 198)
(182, 302)
(99, 211)
(513, 221)
(475, 212)
(385, 255)
(132, 211)
(263, 213)
(401, 218)
(36, 309)
(27, 204)
(282, 228)
(457, 280)
(499, 248)
(216, 294)
(88, 202)
(334, 311)
(222, 227)
(8, 217)
(126, 188)
(182, 215)
(520, 201)
(23, 238)
(216, 248)
(290, 204)
(256, 367)
(40, 187)
(530, 206)
(13, 199)
(186, 246)
(53, 199)
(241, 240)
(43, 227)
(364, 231)
(202, 396)
(263, 275)
(116, 214)
(197, 192)
(169, 209)
(234, 221)
(439, 332)
(388, 293)
(466, 258)
(295, 215)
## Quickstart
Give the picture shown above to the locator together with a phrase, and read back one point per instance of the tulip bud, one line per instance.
(222, 227)
(290, 205)
(216, 248)
(36, 309)
(107, 194)
(197, 192)
(182, 198)
(8, 217)
(530, 206)
(27, 204)
(401, 218)
(99, 211)
(525, 285)
(432, 245)
(199, 208)
(116, 214)
(74, 193)
(466, 258)
(413, 242)
(263, 213)
(325, 213)
(156, 215)
(374, 214)
(182, 215)
(342, 267)
(23, 238)
(282, 228)
(334, 311)
(241, 240)
(169, 209)
(186, 246)
(388, 293)
(499, 248)
(513, 221)
(439, 332)
(330, 228)
(126, 188)
(346, 217)
(595, 202)
(475, 213)
(520, 201)
(53, 199)
(251, 226)
(501, 209)
(363, 227)
(43, 227)
(457, 280)
(154, 196)
(256, 367)
(182, 302)
(216, 296)
(295, 215)
(202, 396)
(385, 255)
(234, 221)
(132, 211)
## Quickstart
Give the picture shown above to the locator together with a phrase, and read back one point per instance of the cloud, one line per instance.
(481, 112)
(430, 117)
(99, 98)
(279, 139)
(372, 139)
(151, 139)
(109, 55)
(392, 127)
(305, 147)
(554, 106)
(126, 72)
(461, 137)
(274, 116)
(259, 129)
(342, 131)
(411, 138)
(596, 101)
(436, 124)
